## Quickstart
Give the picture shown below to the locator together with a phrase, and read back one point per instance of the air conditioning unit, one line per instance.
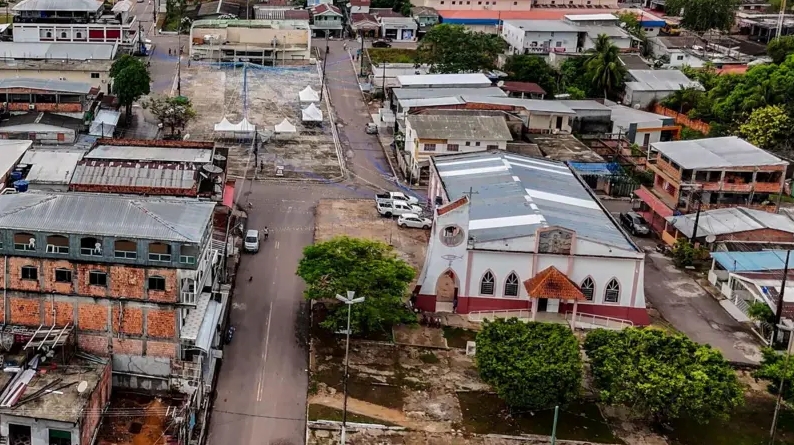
(31, 106)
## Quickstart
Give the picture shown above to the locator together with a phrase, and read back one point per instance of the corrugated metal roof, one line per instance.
(590, 105)
(732, 220)
(51, 166)
(534, 14)
(437, 80)
(58, 5)
(751, 261)
(427, 93)
(596, 168)
(542, 25)
(431, 102)
(135, 175)
(625, 116)
(141, 153)
(57, 50)
(64, 86)
(659, 80)
(536, 105)
(459, 127)
(164, 219)
(10, 153)
(713, 153)
(537, 191)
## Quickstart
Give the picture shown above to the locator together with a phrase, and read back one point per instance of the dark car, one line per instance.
(635, 223)
(381, 44)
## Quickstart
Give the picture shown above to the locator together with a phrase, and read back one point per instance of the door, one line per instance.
(553, 305)
(543, 303)
(558, 124)
(646, 140)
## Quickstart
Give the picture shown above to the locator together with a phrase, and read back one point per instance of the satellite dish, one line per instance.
(82, 387)
(711, 238)
(501, 83)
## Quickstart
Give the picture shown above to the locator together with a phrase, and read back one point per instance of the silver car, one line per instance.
(251, 242)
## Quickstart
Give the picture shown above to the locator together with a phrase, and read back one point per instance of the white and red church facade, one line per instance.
(554, 249)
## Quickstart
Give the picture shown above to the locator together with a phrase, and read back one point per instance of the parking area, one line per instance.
(265, 96)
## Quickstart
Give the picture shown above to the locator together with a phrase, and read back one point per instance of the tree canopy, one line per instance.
(779, 49)
(454, 49)
(662, 376)
(531, 366)
(772, 369)
(527, 68)
(371, 269)
(173, 113)
(767, 127)
(604, 67)
(131, 81)
(700, 16)
(574, 77)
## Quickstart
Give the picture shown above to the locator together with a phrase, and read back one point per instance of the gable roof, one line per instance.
(660, 80)
(220, 7)
(161, 219)
(460, 127)
(514, 195)
(42, 118)
(551, 283)
(711, 153)
(731, 220)
(325, 8)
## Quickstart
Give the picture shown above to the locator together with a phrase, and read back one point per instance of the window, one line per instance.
(511, 285)
(679, 57)
(188, 291)
(468, 144)
(160, 252)
(487, 284)
(95, 75)
(476, 144)
(97, 278)
(48, 34)
(24, 241)
(58, 437)
(612, 292)
(58, 244)
(452, 147)
(491, 147)
(63, 275)
(30, 273)
(126, 249)
(588, 288)
(79, 35)
(187, 259)
(430, 147)
(90, 246)
(63, 35)
(156, 283)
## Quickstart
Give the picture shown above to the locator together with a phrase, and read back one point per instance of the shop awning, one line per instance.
(656, 204)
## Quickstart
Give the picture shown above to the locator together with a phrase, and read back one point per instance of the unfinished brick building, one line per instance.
(133, 275)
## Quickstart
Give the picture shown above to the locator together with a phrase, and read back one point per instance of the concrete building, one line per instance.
(523, 90)
(646, 86)
(708, 174)
(641, 127)
(427, 135)
(514, 233)
(396, 27)
(74, 21)
(326, 19)
(575, 33)
(11, 153)
(61, 96)
(86, 63)
(425, 17)
(473, 80)
(133, 276)
(539, 116)
(591, 117)
(266, 42)
(404, 99)
(43, 128)
(734, 224)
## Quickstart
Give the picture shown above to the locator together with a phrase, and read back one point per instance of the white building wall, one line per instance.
(440, 257)
(40, 429)
(548, 122)
(524, 41)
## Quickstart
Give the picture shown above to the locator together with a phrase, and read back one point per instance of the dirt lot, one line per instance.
(272, 96)
(358, 218)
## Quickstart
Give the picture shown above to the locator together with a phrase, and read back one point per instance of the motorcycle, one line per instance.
(230, 334)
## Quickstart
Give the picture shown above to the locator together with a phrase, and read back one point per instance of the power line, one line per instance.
(260, 416)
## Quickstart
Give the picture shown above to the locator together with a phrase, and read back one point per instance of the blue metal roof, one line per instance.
(596, 168)
(471, 22)
(653, 23)
(751, 261)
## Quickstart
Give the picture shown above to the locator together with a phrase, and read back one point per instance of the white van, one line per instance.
(251, 243)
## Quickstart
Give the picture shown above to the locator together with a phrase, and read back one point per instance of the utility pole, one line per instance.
(361, 56)
(325, 62)
(179, 58)
(773, 430)
(554, 426)
(779, 308)
(383, 66)
(141, 45)
(349, 300)
(697, 219)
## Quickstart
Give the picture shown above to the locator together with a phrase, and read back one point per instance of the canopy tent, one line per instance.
(309, 95)
(312, 114)
(224, 126)
(286, 127)
(104, 124)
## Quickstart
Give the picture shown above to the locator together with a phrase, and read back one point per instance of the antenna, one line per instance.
(82, 387)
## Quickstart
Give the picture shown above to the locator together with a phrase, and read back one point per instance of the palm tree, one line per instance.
(604, 66)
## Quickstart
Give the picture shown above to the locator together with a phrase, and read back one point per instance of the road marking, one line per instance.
(276, 245)
(264, 354)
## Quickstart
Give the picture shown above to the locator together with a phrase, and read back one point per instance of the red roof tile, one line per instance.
(453, 205)
(535, 14)
(523, 87)
(551, 283)
(359, 2)
(359, 18)
(385, 12)
(325, 7)
(733, 69)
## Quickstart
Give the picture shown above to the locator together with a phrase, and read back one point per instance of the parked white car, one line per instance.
(396, 208)
(251, 243)
(413, 220)
(395, 196)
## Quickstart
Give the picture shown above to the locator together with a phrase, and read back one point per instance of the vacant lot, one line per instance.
(392, 55)
(265, 96)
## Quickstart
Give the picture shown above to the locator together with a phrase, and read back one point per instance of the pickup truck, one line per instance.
(395, 196)
(396, 208)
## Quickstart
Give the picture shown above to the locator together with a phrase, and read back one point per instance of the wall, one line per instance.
(538, 121)
(40, 429)
(56, 136)
(71, 74)
(264, 36)
(92, 414)
(682, 119)
(506, 5)
(94, 33)
(644, 98)
(522, 40)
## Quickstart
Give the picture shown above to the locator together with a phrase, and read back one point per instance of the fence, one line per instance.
(683, 119)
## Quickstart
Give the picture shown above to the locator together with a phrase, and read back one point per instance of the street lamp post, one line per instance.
(349, 300)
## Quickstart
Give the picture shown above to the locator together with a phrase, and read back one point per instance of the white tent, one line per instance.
(286, 127)
(224, 126)
(312, 114)
(104, 124)
(309, 95)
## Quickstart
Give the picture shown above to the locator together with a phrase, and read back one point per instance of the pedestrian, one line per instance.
(265, 232)
(344, 47)
(169, 51)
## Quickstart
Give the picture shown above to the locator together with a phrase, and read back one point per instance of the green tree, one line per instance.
(662, 376)
(173, 113)
(781, 48)
(573, 74)
(767, 127)
(775, 5)
(772, 371)
(532, 69)
(371, 269)
(575, 93)
(762, 313)
(700, 16)
(454, 49)
(131, 81)
(706, 76)
(531, 366)
(605, 68)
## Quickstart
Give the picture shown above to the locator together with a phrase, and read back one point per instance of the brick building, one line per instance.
(133, 275)
(30, 94)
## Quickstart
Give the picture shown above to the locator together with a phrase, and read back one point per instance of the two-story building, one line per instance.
(515, 5)
(644, 87)
(708, 174)
(133, 275)
(326, 20)
(425, 17)
(574, 33)
(526, 237)
(74, 21)
(86, 63)
(265, 42)
(394, 25)
(427, 135)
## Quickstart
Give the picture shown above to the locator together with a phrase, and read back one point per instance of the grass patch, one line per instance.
(457, 337)
(362, 388)
(392, 55)
(6, 18)
(785, 198)
(486, 414)
(429, 358)
(322, 412)
(749, 425)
